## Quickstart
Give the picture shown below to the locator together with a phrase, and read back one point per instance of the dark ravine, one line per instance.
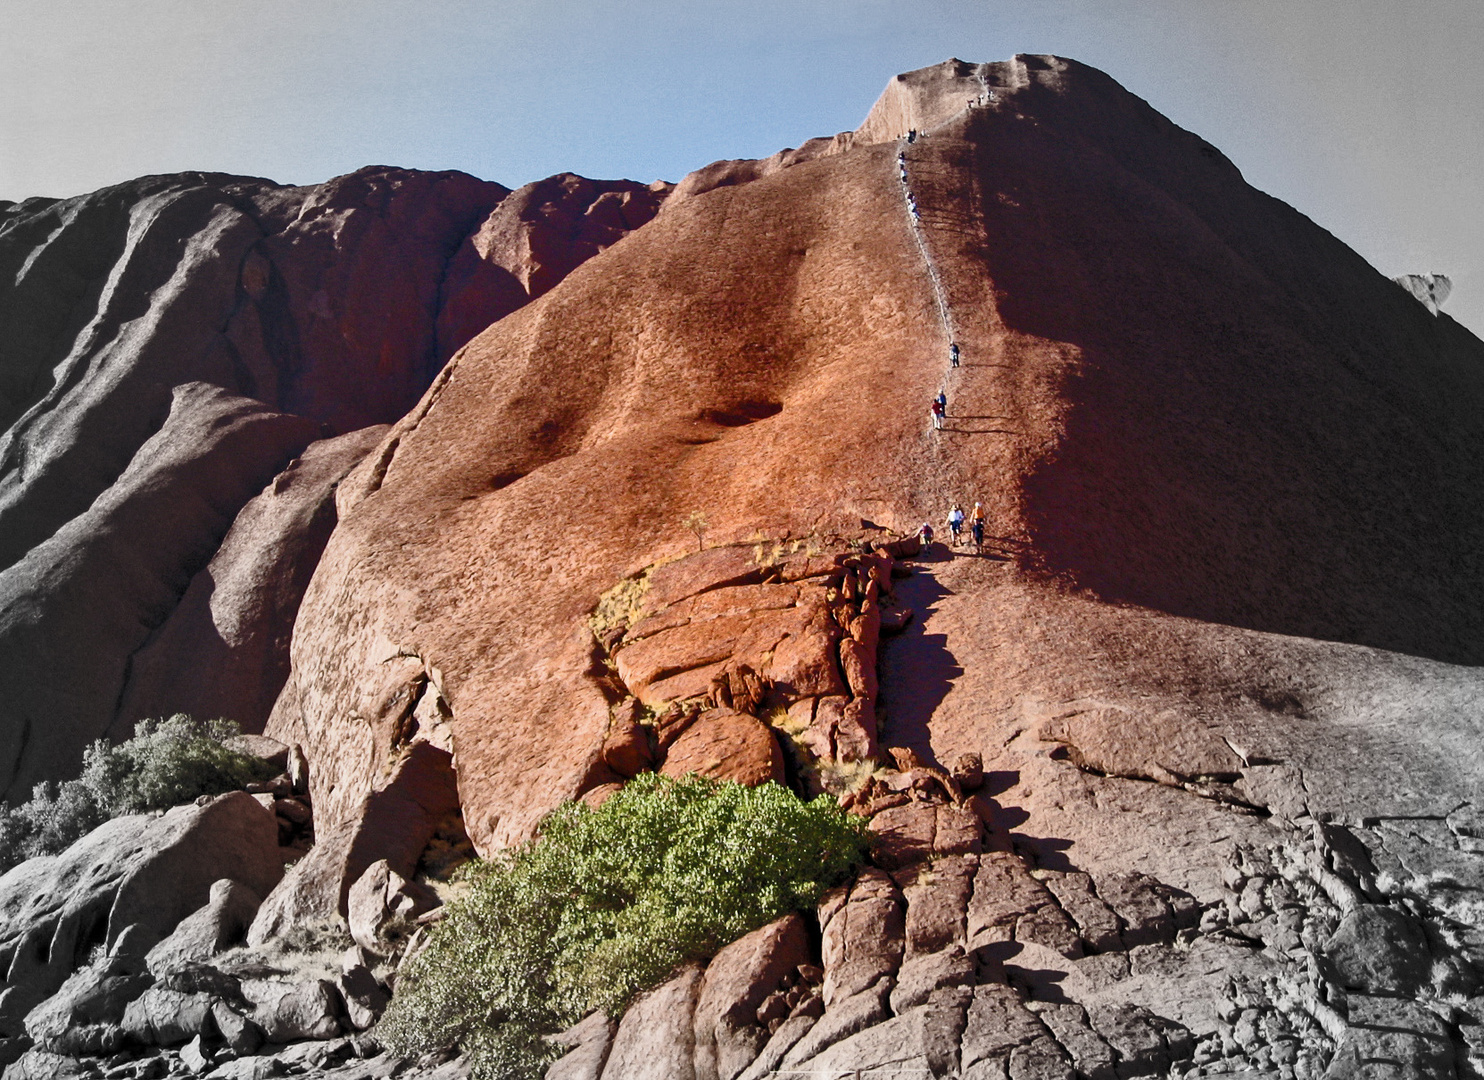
(478, 500)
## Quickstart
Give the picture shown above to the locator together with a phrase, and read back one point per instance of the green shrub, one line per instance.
(166, 763)
(605, 904)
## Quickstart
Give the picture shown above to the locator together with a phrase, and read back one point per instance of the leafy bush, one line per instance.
(605, 904)
(166, 763)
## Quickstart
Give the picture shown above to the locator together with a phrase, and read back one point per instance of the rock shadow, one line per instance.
(916, 668)
(1242, 441)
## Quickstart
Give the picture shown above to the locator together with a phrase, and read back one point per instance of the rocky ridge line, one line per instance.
(332, 305)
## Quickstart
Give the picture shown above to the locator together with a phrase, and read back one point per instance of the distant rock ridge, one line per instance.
(332, 306)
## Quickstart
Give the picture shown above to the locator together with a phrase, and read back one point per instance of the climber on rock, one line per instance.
(976, 524)
(938, 413)
(956, 523)
(953, 354)
(925, 536)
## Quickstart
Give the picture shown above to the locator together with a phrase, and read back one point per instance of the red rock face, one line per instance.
(1224, 465)
(533, 239)
(1210, 657)
(764, 352)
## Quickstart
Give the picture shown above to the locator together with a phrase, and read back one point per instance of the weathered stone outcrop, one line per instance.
(1206, 687)
(136, 876)
(537, 235)
(224, 650)
(120, 311)
(78, 604)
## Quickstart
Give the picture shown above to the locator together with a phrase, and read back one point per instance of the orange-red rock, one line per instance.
(1230, 587)
(726, 745)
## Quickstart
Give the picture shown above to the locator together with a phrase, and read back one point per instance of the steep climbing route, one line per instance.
(914, 219)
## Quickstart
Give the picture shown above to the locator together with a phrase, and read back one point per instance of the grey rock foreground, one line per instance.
(142, 874)
(130, 981)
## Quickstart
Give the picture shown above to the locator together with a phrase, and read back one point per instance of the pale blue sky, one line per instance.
(1364, 114)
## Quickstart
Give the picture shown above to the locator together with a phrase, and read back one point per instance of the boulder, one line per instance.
(627, 750)
(842, 1019)
(196, 1057)
(200, 936)
(163, 1017)
(1091, 1055)
(918, 1040)
(728, 1035)
(656, 1038)
(183, 854)
(590, 1040)
(1004, 894)
(999, 1026)
(924, 975)
(937, 897)
(240, 1034)
(43, 1065)
(82, 1019)
(364, 997)
(203, 979)
(1096, 922)
(382, 906)
(250, 1068)
(1145, 915)
(862, 935)
(393, 824)
(1137, 1036)
(1385, 1030)
(1379, 950)
(779, 1044)
(288, 1012)
(727, 745)
(903, 835)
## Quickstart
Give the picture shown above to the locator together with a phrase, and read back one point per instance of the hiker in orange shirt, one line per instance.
(976, 524)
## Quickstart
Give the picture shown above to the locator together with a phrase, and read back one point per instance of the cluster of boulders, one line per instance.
(932, 961)
(124, 956)
(716, 654)
(964, 949)
(929, 958)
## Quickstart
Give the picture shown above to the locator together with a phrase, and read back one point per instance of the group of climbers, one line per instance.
(956, 519)
(956, 516)
(940, 403)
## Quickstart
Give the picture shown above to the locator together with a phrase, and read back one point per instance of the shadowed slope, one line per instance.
(330, 306)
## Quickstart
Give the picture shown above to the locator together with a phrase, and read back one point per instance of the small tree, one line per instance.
(166, 763)
(606, 904)
(696, 523)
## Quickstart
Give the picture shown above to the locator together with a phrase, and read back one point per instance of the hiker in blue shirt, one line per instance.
(956, 523)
